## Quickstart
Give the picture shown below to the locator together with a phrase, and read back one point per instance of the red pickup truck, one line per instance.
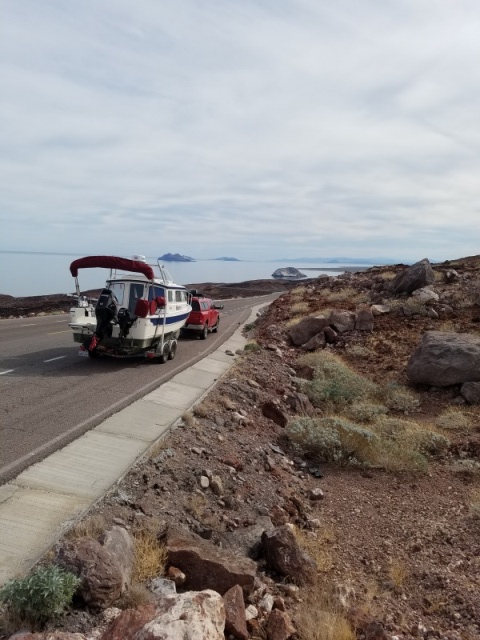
(204, 316)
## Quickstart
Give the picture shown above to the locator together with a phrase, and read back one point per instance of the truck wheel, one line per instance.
(173, 350)
(165, 354)
(204, 334)
(215, 328)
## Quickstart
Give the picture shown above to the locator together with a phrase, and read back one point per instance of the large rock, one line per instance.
(471, 392)
(415, 277)
(284, 555)
(235, 623)
(247, 541)
(273, 412)
(207, 567)
(317, 342)
(188, 616)
(342, 321)
(279, 626)
(119, 542)
(445, 358)
(102, 578)
(364, 321)
(307, 328)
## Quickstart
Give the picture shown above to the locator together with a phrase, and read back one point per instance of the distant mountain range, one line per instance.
(363, 261)
(225, 259)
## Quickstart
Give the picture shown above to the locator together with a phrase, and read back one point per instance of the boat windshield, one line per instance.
(118, 290)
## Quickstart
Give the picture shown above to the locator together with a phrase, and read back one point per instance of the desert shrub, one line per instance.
(300, 307)
(150, 556)
(41, 596)
(412, 436)
(359, 351)
(91, 527)
(396, 396)
(347, 294)
(334, 383)
(453, 419)
(475, 504)
(332, 439)
(252, 346)
(320, 615)
(298, 292)
(408, 306)
(467, 468)
(365, 411)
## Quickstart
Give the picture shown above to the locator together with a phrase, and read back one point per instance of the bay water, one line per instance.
(36, 274)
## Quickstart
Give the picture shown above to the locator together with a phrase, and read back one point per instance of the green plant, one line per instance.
(332, 439)
(365, 411)
(40, 596)
(397, 397)
(252, 346)
(335, 383)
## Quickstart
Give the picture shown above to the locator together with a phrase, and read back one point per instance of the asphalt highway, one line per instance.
(49, 396)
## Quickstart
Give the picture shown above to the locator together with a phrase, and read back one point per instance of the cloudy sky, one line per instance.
(252, 128)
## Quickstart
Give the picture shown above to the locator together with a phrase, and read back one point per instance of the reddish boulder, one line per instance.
(279, 626)
(284, 555)
(235, 623)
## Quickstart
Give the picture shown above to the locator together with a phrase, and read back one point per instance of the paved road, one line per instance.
(49, 396)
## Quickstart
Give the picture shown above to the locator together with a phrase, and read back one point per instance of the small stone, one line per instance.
(163, 587)
(229, 353)
(266, 603)
(216, 485)
(176, 575)
(316, 494)
(251, 612)
(204, 482)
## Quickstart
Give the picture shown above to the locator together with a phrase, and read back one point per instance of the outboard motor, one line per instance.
(106, 313)
(125, 321)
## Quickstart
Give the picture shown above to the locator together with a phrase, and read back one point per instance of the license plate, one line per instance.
(83, 353)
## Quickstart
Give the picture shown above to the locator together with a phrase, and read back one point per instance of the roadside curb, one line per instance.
(45, 500)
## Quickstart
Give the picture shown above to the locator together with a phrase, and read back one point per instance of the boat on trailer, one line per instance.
(139, 312)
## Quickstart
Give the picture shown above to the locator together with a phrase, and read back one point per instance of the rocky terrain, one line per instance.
(299, 508)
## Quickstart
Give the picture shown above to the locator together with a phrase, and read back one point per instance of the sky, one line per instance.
(258, 129)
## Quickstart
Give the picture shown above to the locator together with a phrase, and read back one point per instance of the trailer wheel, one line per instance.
(173, 350)
(165, 354)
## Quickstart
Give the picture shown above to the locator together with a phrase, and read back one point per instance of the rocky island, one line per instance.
(175, 257)
(288, 272)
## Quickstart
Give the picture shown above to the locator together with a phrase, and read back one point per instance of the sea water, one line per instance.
(36, 274)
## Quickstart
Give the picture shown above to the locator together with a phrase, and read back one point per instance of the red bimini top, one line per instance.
(111, 262)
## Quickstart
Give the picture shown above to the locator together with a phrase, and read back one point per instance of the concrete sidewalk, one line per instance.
(45, 500)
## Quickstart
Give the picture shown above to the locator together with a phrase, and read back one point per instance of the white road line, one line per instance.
(57, 358)
(55, 332)
(2, 373)
(32, 324)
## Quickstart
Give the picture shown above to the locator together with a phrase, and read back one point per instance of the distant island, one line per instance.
(290, 273)
(175, 257)
(226, 259)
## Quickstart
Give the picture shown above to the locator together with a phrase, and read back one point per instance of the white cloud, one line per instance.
(263, 129)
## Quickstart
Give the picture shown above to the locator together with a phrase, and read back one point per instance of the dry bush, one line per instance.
(397, 397)
(467, 468)
(359, 351)
(201, 410)
(475, 504)
(298, 292)
(398, 572)
(454, 419)
(387, 275)
(299, 308)
(188, 418)
(320, 616)
(318, 545)
(347, 294)
(136, 596)
(91, 527)
(150, 556)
